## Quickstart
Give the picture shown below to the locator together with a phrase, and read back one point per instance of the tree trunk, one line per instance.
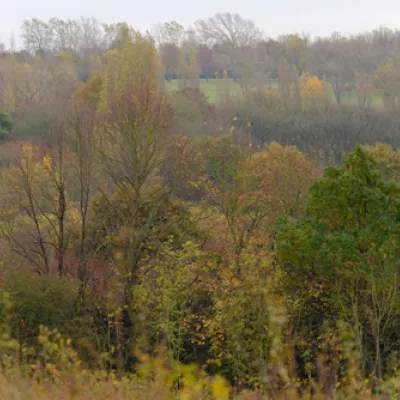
(338, 95)
(378, 360)
(129, 326)
(61, 233)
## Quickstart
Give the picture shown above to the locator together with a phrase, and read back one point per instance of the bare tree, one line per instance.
(81, 142)
(33, 218)
(231, 36)
(168, 33)
(64, 35)
(91, 36)
(229, 28)
(80, 36)
(332, 60)
(21, 188)
(37, 35)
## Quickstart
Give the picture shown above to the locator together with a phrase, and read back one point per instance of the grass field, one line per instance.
(216, 89)
(212, 88)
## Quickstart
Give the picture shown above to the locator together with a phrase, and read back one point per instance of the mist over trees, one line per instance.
(199, 212)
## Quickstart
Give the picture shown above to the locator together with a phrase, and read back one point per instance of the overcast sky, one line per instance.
(274, 17)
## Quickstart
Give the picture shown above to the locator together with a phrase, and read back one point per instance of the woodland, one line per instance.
(199, 213)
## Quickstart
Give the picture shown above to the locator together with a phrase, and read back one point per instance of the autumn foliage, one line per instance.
(154, 245)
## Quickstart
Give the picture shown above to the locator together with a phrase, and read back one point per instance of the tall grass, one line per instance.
(53, 370)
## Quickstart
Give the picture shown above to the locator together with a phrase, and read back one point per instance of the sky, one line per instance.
(312, 17)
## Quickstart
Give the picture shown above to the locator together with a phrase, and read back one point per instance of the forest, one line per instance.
(199, 213)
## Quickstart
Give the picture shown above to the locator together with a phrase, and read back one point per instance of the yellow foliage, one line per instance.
(48, 164)
(66, 56)
(89, 93)
(220, 389)
(312, 87)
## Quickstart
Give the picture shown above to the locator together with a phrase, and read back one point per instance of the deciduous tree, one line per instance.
(133, 137)
(340, 248)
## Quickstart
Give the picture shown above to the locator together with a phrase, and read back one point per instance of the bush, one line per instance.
(43, 301)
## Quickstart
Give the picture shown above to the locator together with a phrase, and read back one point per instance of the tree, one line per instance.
(91, 34)
(275, 51)
(387, 158)
(37, 36)
(228, 28)
(289, 84)
(312, 88)
(189, 71)
(259, 188)
(89, 93)
(296, 51)
(273, 182)
(170, 56)
(133, 117)
(81, 140)
(331, 60)
(5, 126)
(65, 35)
(169, 37)
(170, 33)
(340, 249)
(229, 34)
(34, 214)
(81, 36)
(264, 64)
(38, 178)
(364, 87)
(387, 80)
(207, 64)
